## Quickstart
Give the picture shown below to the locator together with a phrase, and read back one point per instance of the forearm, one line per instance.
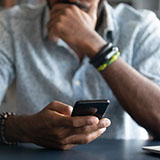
(142, 101)
(17, 128)
(139, 96)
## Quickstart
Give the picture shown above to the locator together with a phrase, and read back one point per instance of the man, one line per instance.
(8, 4)
(38, 71)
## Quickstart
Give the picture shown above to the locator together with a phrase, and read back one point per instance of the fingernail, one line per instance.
(106, 123)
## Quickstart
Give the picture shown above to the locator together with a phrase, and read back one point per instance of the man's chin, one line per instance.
(81, 4)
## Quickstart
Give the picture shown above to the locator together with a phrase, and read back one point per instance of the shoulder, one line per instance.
(132, 13)
(127, 14)
(20, 21)
(21, 14)
(24, 11)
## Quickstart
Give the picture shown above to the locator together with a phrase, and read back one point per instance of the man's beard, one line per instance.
(81, 6)
(85, 8)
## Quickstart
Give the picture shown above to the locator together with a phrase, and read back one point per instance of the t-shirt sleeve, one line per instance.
(6, 59)
(146, 57)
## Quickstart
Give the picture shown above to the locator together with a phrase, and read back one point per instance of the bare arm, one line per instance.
(53, 127)
(139, 96)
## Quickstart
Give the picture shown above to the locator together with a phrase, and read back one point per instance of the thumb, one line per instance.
(60, 108)
(93, 10)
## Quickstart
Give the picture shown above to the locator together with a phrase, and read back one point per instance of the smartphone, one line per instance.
(91, 107)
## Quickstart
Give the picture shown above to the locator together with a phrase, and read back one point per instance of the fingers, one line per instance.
(94, 9)
(72, 141)
(83, 138)
(57, 15)
(77, 121)
(61, 116)
(59, 131)
(50, 144)
(103, 123)
(63, 132)
(62, 141)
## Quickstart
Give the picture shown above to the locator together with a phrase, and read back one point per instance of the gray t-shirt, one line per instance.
(35, 71)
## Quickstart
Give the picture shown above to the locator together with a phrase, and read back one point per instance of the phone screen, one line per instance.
(90, 107)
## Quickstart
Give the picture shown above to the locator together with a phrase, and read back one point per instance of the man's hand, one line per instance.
(53, 127)
(76, 27)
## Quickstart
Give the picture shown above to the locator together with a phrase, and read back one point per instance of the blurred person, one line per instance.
(63, 52)
(8, 3)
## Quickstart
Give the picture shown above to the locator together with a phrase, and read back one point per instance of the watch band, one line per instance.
(106, 56)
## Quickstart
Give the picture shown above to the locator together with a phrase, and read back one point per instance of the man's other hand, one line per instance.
(76, 27)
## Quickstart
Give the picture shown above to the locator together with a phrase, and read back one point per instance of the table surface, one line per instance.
(100, 149)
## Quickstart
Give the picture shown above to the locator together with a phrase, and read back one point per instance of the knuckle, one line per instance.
(59, 134)
(85, 129)
(53, 103)
(67, 11)
(73, 123)
(73, 7)
(58, 27)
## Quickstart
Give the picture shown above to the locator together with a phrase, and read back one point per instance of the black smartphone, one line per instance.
(91, 107)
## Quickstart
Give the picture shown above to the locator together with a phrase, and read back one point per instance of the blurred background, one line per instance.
(153, 5)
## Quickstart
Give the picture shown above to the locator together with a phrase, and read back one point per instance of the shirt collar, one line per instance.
(45, 17)
(107, 27)
(109, 18)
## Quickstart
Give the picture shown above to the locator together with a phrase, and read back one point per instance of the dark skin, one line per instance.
(125, 82)
(139, 96)
(53, 127)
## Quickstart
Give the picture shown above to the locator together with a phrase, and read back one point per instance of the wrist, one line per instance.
(17, 129)
(92, 44)
(107, 55)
